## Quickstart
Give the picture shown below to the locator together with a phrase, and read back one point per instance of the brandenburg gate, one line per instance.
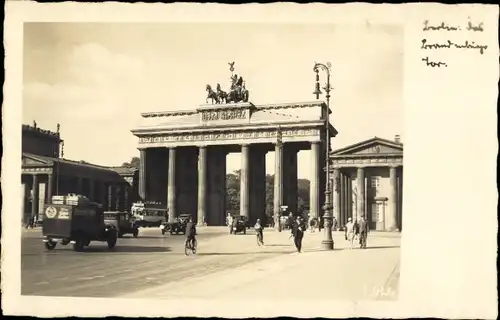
(183, 154)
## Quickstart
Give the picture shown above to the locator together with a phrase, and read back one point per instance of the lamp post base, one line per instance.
(327, 244)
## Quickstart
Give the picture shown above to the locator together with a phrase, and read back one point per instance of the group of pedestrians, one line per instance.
(357, 230)
(353, 230)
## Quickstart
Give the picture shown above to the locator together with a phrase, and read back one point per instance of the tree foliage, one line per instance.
(233, 193)
(134, 163)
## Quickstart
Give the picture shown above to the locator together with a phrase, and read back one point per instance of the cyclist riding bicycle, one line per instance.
(190, 232)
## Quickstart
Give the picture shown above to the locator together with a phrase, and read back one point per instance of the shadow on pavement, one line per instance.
(142, 237)
(122, 249)
(374, 247)
(382, 247)
(240, 253)
(278, 245)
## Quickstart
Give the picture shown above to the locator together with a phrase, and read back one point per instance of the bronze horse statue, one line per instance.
(212, 95)
(222, 95)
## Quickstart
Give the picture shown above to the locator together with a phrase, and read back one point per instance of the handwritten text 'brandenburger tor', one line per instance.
(467, 44)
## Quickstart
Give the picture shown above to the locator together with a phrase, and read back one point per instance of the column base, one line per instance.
(327, 244)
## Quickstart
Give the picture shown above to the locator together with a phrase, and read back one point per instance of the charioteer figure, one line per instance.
(237, 93)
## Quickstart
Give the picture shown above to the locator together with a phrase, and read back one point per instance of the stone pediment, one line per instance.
(33, 160)
(374, 146)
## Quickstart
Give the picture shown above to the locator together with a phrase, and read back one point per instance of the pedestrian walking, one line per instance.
(334, 224)
(363, 232)
(312, 224)
(229, 222)
(350, 232)
(298, 228)
(259, 229)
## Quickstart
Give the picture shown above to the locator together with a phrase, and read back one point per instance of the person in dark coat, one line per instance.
(298, 229)
(190, 231)
(363, 232)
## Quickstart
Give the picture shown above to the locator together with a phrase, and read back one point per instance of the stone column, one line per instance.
(361, 192)
(109, 206)
(126, 205)
(314, 196)
(79, 185)
(391, 217)
(103, 189)
(345, 197)
(50, 179)
(278, 182)
(244, 181)
(92, 190)
(202, 185)
(336, 195)
(171, 202)
(35, 200)
(142, 175)
(341, 202)
(117, 197)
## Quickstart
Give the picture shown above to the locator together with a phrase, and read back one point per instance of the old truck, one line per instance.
(123, 221)
(75, 219)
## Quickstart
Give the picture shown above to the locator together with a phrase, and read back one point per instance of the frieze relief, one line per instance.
(187, 137)
(367, 162)
(223, 115)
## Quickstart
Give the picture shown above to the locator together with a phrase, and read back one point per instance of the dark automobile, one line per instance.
(240, 224)
(178, 226)
(124, 222)
(78, 224)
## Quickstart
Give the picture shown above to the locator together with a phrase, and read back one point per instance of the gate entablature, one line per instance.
(230, 124)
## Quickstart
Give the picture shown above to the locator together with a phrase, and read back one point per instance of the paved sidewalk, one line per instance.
(342, 274)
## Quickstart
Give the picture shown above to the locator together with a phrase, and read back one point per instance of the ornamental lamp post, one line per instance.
(279, 144)
(327, 242)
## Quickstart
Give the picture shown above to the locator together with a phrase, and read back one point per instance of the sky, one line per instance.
(95, 79)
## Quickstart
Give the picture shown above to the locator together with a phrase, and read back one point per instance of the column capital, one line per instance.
(360, 169)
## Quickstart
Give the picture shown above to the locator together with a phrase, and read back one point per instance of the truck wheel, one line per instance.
(78, 245)
(136, 233)
(111, 241)
(50, 245)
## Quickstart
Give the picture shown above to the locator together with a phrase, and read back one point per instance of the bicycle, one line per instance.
(190, 247)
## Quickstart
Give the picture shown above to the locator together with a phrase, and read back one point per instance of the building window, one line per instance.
(375, 182)
(376, 212)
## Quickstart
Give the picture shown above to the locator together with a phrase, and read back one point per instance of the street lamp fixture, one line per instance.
(327, 242)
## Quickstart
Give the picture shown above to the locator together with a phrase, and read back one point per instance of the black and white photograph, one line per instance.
(178, 163)
(214, 161)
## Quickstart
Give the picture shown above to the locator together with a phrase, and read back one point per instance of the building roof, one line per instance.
(373, 145)
(124, 170)
(37, 160)
(27, 129)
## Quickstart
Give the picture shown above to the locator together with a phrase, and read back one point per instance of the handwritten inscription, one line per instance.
(223, 115)
(467, 44)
